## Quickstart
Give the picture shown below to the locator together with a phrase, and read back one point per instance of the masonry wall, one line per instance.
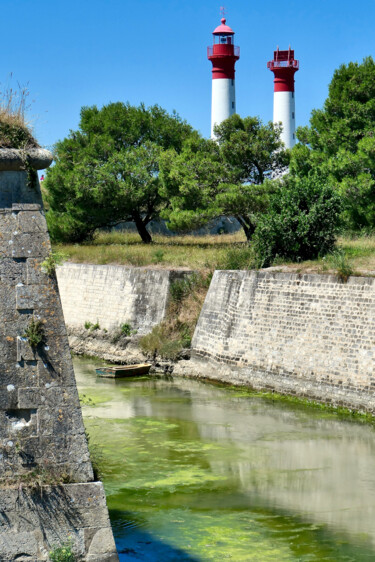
(47, 492)
(309, 335)
(114, 295)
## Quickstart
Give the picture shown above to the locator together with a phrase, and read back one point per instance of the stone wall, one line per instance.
(309, 335)
(113, 295)
(47, 493)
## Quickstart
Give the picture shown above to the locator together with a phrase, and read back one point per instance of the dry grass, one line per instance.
(15, 130)
(205, 253)
(191, 252)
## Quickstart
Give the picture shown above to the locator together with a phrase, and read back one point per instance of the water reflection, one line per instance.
(200, 472)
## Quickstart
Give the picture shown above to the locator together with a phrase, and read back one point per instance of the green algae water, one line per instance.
(201, 472)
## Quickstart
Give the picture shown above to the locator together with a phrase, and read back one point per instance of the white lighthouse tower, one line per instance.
(223, 55)
(284, 67)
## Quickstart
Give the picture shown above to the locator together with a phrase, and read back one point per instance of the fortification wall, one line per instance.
(114, 295)
(309, 335)
(47, 492)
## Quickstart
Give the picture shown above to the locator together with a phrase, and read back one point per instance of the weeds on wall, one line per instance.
(92, 327)
(53, 259)
(174, 333)
(63, 553)
(14, 130)
(34, 333)
(338, 261)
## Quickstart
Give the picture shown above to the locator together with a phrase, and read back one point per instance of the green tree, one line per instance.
(340, 142)
(108, 171)
(301, 223)
(226, 177)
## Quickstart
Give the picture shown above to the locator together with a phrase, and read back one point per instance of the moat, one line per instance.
(196, 472)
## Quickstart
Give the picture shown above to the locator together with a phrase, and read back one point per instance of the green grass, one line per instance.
(209, 252)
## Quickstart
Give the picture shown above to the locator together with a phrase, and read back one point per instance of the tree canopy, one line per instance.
(301, 222)
(107, 171)
(340, 142)
(226, 177)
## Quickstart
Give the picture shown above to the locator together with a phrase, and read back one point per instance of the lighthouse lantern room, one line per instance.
(284, 66)
(223, 55)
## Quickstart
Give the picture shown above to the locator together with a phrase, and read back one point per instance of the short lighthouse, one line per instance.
(284, 66)
(223, 55)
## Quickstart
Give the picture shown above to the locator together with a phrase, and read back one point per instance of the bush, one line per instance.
(34, 333)
(341, 264)
(238, 258)
(301, 223)
(127, 330)
(62, 553)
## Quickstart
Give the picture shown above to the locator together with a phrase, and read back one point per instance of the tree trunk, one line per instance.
(142, 230)
(249, 228)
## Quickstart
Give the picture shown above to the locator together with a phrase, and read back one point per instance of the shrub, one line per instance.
(127, 330)
(62, 553)
(52, 260)
(301, 223)
(90, 326)
(158, 256)
(175, 332)
(241, 257)
(340, 263)
(34, 333)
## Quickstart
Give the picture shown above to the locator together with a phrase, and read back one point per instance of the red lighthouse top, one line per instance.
(223, 28)
(284, 66)
(223, 54)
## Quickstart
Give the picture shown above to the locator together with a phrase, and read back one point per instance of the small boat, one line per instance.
(120, 371)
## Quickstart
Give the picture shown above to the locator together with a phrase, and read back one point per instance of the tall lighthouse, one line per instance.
(284, 66)
(223, 55)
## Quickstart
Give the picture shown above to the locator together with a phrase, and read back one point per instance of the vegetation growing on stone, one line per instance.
(175, 332)
(53, 259)
(34, 333)
(63, 553)
(14, 130)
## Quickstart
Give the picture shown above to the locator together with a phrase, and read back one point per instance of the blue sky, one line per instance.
(75, 53)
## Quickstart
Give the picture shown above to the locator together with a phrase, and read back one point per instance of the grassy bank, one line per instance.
(209, 252)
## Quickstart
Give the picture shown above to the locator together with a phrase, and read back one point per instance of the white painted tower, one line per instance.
(284, 67)
(223, 55)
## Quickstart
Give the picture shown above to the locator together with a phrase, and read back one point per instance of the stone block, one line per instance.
(12, 271)
(31, 221)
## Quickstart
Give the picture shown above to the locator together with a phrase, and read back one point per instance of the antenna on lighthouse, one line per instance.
(223, 11)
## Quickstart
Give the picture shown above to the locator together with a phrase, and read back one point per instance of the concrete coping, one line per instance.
(13, 159)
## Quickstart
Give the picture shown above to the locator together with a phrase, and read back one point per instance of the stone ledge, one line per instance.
(13, 160)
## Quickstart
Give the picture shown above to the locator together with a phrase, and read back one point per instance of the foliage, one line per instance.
(339, 261)
(175, 332)
(127, 330)
(227, 177)
(340, 142)
(238, 257)
(107, 171)
(53, 259)
(34, 333)
(63, 553)
(301, 223)
(14, 131)
(90, 326)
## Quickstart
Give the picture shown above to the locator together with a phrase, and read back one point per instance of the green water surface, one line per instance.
(195, 471)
